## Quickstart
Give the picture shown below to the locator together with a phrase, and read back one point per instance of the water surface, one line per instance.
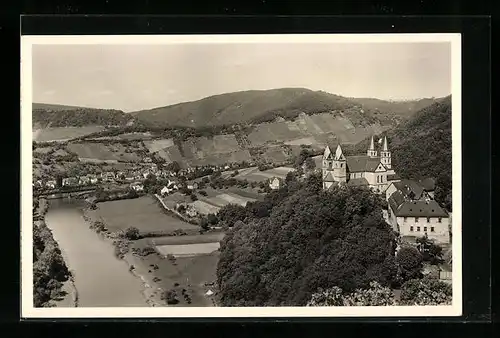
(100, 278)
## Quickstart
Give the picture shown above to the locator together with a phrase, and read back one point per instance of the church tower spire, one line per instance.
(371, 150)
(385, 155)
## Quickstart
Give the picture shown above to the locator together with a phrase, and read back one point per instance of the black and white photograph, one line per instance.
(258, 175)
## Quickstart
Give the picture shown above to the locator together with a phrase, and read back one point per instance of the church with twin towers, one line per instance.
(373, 170)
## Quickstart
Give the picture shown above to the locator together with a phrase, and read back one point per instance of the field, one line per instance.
(63, 134)
(194, 264)
(103, 152)
(143, 213)
(205, 208)
(220, 149)
(156, 145)
(312, 130)
(188, 250)
(253, 174)
(126, 136)
(216, 199)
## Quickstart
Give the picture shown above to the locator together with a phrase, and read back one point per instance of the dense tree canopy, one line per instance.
(49, 268)
(311, 239)
(375, 295)
(426, 291)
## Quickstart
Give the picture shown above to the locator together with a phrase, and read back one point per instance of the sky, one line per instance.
(135, 77)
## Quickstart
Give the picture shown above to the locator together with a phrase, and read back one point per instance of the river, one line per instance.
(101, 279)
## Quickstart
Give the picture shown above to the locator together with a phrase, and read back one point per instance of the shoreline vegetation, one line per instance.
(53, 282)
(151, 290)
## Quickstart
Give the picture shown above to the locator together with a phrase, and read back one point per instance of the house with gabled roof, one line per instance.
(369, 170)
(414, 215)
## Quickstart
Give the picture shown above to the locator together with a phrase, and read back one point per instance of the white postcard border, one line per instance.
(29, 311)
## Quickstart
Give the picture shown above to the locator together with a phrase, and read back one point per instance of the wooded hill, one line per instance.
(258, 106)
(421, 147)
(253, 106)
(45, 116)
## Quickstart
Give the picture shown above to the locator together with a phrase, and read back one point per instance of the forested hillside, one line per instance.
(258, 106)
(79, 117)
(421, 147)
(403, 108)
(312, 239)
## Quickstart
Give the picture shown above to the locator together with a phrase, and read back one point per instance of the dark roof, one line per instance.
(329, 177)
(407, 187)
(357, 181)
(429, 184)
(404, 207)
(363, 163)
(393, 177)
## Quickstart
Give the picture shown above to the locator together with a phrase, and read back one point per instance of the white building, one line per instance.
(412, 213)
(369, 170)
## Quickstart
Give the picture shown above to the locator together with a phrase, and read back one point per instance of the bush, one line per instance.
(410, 264)
(132, 233)
(426, 291)
(170, 297)
(203, 193)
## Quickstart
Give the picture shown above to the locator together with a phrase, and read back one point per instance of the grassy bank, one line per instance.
(52, 281)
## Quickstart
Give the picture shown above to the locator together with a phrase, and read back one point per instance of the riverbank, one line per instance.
(53, 284)
(189, 277)
(151, 290)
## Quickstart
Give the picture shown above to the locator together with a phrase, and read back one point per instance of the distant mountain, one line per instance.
(55, 107)
(258, 106)
(63, 116)
(404, 108)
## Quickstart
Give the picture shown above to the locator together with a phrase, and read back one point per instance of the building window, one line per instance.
(432, 229)
(416, 219)
(411, 229)
(418, 229)
(404, 219)
(439, 219)
(425, 229)
(342, 165)
(428, 219)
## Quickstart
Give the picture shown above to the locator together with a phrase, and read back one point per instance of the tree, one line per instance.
(132, 233)
(212, 219)
(204, 223)
(409, 261)
(375, 295)
(430, 251)
(309, 163)
(174, 167)
(231, 213)
(312, 239)
(426, 291)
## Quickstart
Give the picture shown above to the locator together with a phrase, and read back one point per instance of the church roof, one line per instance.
(363, 163)
(408, 187)
(403, 207)
(328, 177)
(357, 182)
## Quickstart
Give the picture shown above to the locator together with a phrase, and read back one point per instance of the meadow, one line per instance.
(143, 213)
(191, 264)
(103, 152)
(63, 133)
